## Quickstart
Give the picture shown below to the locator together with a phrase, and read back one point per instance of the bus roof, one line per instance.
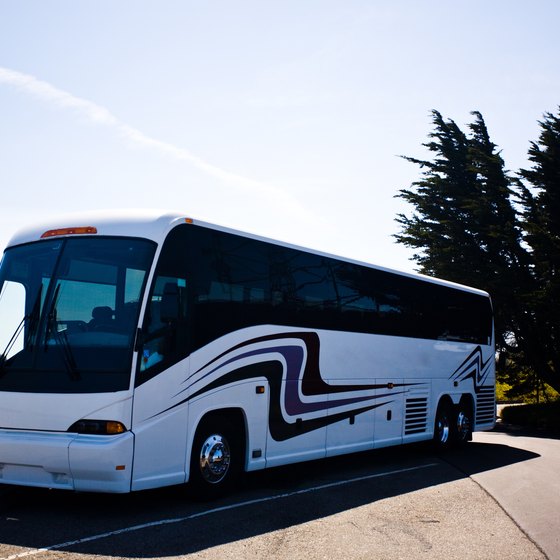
(155, 224)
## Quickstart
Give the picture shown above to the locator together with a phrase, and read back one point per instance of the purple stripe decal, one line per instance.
(294, 358)
(296, 369)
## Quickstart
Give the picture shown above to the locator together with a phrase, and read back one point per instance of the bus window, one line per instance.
(164, 330)
(12, 310)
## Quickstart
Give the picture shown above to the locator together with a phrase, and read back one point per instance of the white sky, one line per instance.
(285, 118)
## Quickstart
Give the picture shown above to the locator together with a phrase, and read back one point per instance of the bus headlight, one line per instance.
(98, 427)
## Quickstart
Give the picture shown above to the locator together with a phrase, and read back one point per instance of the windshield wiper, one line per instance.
(60, 339)
(69, 361)
(51, 317)
(33, 320)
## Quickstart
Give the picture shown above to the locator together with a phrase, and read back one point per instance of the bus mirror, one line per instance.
(169, 308)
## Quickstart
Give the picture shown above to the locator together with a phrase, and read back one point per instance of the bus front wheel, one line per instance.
(215, 459)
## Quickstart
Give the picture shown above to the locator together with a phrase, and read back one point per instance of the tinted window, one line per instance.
(234, 282)
(164, 331)
(79, 316)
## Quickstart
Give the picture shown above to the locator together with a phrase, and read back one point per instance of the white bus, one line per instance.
(139, 351)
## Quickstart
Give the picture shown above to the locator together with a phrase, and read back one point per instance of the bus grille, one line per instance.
(485, 405)
(416, 415)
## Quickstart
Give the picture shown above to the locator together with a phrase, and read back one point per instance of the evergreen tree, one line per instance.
(436, 228)
(464, 223)
(541, 202)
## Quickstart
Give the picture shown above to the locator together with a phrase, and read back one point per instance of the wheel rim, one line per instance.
(463, 426)
(443, 428)
(215, 459)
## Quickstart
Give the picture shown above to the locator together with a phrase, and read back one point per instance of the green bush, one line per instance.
(524, 391)
(502, 392)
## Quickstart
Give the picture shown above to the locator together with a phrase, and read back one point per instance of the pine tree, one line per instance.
(437, 226)
(464, 223)
(507, 264)
(541, 202)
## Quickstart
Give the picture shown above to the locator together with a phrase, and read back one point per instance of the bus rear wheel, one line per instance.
(443, 429)
(215, 459)
(463, 423)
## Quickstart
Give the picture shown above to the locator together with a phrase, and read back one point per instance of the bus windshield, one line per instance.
(68, 313)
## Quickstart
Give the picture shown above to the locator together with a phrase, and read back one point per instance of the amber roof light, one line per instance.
(69, 231)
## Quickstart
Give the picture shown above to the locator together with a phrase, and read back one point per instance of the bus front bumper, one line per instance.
(66, 461)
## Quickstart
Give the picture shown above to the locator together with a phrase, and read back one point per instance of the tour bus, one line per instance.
(145, 350)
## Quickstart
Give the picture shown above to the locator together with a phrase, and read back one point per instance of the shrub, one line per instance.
(542, 416)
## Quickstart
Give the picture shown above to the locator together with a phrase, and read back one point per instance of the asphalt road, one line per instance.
(529, 491)
(497, 498)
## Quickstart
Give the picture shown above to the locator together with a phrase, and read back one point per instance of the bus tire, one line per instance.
(444, 434)
(463, 422)
(215, 459)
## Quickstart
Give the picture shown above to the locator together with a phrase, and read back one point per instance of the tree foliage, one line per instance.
(466, 227)
(541, 221)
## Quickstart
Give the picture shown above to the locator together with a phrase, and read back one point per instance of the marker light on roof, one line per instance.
(69, 231)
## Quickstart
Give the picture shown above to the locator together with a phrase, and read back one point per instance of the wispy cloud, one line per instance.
(47, 92)
(101, 116)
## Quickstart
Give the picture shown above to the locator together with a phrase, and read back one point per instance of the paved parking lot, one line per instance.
(394, 503)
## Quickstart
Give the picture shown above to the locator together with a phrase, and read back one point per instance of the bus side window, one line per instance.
(13, 316)
(164, 330)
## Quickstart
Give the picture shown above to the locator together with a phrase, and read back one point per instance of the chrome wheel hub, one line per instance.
(443, 429)
(214, 459)
(463, 426)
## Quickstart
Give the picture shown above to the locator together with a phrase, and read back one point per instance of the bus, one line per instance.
(140, 350)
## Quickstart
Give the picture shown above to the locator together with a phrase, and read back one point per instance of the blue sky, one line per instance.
(284, 118)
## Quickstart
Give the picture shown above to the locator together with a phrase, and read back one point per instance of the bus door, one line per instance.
(160, 412)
